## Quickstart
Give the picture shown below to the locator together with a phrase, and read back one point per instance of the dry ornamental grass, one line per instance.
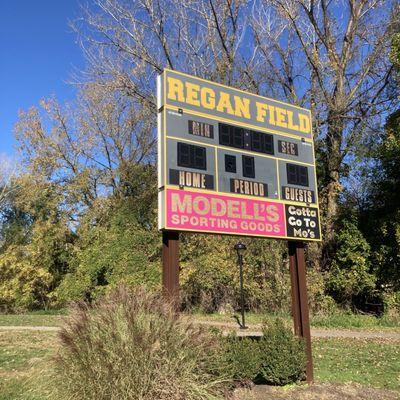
(133, 346)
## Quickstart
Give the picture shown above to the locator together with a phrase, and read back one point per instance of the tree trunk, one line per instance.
(332, 185)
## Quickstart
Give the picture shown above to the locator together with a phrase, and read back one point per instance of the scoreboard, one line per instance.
(232, 162)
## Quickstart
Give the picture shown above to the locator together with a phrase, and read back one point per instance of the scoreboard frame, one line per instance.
(243, 121)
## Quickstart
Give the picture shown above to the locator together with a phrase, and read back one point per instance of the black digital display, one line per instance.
(191, 156)
(297, 175)
(231, 136)
(240, 138)
(256, 142)
(248, 167)
(262, 142)
(230, 163)
(225, 135)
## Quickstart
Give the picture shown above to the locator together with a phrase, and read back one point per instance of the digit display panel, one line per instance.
(191, 156)
(232, 162)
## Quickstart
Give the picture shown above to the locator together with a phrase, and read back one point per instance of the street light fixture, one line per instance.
(240, 248)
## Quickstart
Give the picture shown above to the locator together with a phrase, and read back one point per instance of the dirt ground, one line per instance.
(322, 391)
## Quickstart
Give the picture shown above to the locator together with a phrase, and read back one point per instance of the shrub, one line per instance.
(131, 345)
(350, 278)
(391, 302)
(278, 358)
(22, 284)
(117, 251)
(283, 357)
(210, 276)
(241, 359)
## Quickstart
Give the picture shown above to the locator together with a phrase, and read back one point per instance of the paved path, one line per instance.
(254, 330)
(30, 328)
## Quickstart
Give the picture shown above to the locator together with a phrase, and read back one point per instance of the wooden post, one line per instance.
(300, 300)
(170, 266)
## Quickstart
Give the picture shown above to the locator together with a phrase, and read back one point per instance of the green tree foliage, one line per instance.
(35, 245)
(350, 277)
(210, 275)
(117, 249)
(14, 222)
(83, 219)
(23, 285)
(395, 52)
(382, 216)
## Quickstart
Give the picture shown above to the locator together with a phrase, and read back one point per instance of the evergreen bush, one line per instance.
(277, 358)
(241, 359)
(283, 357)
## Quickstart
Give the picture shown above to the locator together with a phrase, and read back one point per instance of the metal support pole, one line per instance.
(170, 266)
(243, 324)
(300, 301)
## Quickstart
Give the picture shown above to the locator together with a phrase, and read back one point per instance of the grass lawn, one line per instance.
(356, 321)
(25, 357)
(30, 320)
(368, 362)
(33, 319)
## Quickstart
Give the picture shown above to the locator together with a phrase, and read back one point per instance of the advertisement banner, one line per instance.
(194, 211)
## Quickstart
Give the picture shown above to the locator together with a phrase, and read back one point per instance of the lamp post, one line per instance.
(240, 248)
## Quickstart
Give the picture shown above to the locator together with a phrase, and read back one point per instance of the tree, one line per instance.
(95, 157)
(7, 172)
(330, 56)
(381, 214)
(15, 223)
(395, 52)
(35, 243)
(115, 249)
(92, 148)
(350, 280)
(22, 284)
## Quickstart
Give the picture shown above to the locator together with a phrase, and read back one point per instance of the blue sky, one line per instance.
(38, 53)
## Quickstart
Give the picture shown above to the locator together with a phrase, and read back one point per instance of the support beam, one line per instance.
(300, 300)
(170, 266)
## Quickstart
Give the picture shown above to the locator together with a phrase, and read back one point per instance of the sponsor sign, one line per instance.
(193, 211)
(234, 162)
